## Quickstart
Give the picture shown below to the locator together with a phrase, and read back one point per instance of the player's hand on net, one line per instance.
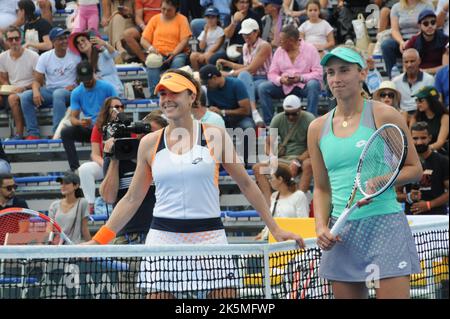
(282, 235)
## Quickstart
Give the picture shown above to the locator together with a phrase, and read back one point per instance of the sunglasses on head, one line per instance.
(10, 187)
(427, 23)
(387, 94)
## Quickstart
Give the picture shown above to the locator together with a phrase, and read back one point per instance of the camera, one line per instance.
(125, 147)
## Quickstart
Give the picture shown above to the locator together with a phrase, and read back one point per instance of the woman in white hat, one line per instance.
(387, 93)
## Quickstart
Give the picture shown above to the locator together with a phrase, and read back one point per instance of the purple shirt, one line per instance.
(307, 64)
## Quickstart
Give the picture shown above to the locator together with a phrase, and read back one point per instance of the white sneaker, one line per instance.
(257, 117)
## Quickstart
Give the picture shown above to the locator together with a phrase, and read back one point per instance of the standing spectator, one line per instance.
(287, 200)
(430, 195)
(144, 10)
(100, 55)
(295, 69)
(5, 167)
(257, 56)
(16, 68)
(36, 28)
(71, 212)
(88, 98)
(201, 113)
(210, 40)
(431, 111)
(116, 18)
(92, 171)
(441, 84)
(292, 127)
(442, 15)
(223, 6)
(8, 196)
(228, 97)
(404, 17)
(430, 43)
(54, 80)
(87, 16)
(317, 31)
(167, 34)
(411, 81)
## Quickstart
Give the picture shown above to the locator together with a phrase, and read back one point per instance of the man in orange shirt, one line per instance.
(166, 34)
(144, 10)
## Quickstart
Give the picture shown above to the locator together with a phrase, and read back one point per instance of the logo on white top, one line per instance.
(360, 143)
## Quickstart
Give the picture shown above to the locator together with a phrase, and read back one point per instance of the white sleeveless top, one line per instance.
(187, 185)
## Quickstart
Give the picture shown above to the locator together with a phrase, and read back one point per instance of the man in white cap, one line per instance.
(292, 125)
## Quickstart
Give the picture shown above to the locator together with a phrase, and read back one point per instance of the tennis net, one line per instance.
(279, 270)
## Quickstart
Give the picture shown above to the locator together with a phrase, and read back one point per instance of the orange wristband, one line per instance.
(429, 205)
(104, 235)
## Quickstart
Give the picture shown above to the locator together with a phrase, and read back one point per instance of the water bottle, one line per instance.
(395, 71)
(373, 80)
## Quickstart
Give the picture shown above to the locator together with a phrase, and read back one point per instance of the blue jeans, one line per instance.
(153, 75)
(268, 91)
(58, 98)
(5, 167)
(251, 83)
(391, 51)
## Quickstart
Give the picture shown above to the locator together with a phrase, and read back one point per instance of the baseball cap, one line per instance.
(425, 13)
(175, 82)
(207, 72)
(85, 72)
(69, 177)
(277, 2)
(426, 91)
(248, 26)
(57, 32)
(345, 54)
(291, 103)
(212, 11)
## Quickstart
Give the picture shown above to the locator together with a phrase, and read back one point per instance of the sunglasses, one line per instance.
(427, 23)
(118, 106)
(387, 94)
(11, 39)
(291, 114)
(10, 187)
(420, 100)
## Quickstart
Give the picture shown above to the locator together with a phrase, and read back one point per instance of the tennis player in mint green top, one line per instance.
(376, 246)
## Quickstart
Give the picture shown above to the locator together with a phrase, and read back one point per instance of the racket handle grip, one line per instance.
(340, 222)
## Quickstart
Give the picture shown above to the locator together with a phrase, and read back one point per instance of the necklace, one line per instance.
(345, 121)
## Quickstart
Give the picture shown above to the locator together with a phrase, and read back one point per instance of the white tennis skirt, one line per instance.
(175, 274)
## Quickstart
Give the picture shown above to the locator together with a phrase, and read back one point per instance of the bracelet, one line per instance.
(104, 235)
(409, 199)
(429, 205)
(223, 113)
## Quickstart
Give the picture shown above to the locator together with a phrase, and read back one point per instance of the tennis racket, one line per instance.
(380, 163)
(15, 221)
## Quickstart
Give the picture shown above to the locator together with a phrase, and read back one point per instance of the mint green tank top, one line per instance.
(341, 157)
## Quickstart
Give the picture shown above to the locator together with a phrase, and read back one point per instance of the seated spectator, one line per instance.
(429, 196)
(411, 81)
(223, 6)
(442, 15)
(201, 113)
(100, 55)
(8, 13)
(296, 9)
(16, 68)
(388, 94)
(240, 11)
(71, 212)
(317, 31)
(292, 126)
(404, 17)
(167, 34)
(191, 9)
(87, 16)
(54, 80)
(295, 69)
(87, 98)
(287, 200)
(8, 196)
(431, 111)
(5, 167)
(272, 22)
(116, 18)
(227, 97)
(441, 84)
(430, 43)
(385, 13)
(90, 172)
(45, 9)
(36, 29)
(144, 10)
(257, 56)
(210, 40)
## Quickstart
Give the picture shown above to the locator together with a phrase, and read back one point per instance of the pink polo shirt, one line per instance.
(307, 64)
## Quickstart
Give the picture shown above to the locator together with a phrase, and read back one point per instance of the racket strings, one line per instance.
(381, 161)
